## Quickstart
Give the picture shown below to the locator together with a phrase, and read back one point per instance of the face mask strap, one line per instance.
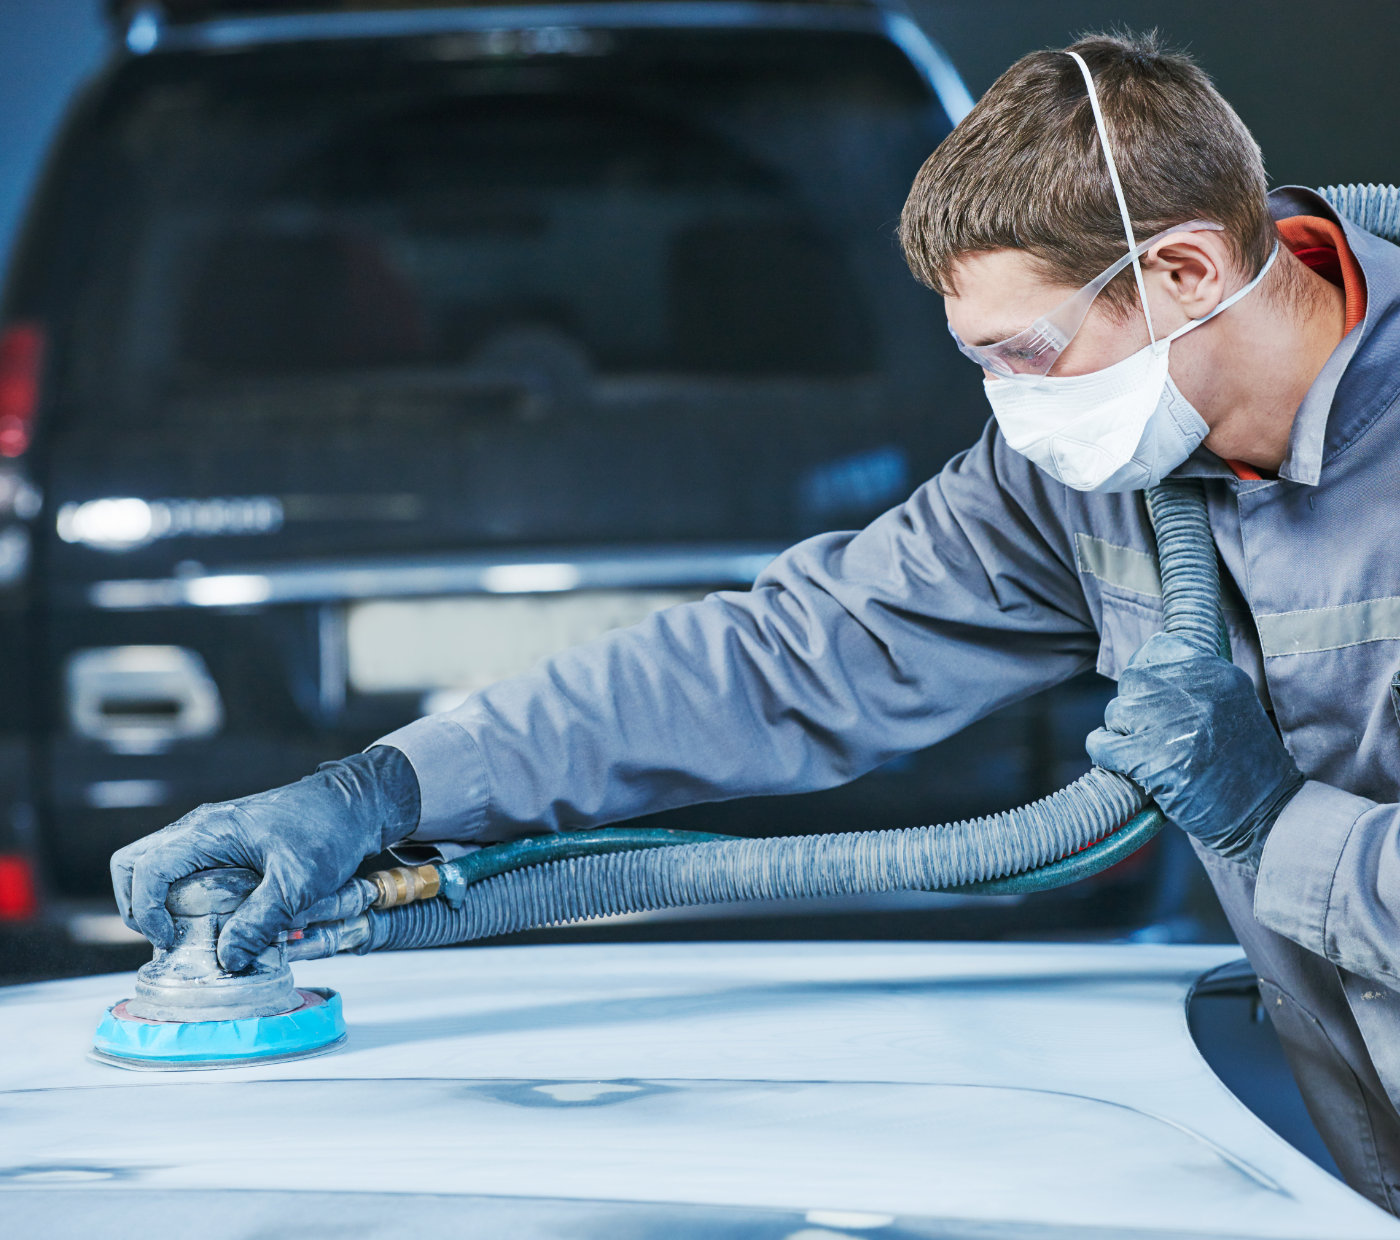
(1117, 188)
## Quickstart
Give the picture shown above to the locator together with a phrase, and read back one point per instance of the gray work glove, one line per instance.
(306, 841)
(1190, 730)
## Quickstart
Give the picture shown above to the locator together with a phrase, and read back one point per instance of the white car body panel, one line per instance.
(1044, 1084)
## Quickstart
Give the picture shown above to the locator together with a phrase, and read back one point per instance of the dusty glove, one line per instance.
(305, 840)
(1190, 730)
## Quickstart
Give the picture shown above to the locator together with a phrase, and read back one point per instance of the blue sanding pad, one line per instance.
(127, 1041)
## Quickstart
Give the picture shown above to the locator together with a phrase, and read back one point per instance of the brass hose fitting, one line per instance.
(405, 884)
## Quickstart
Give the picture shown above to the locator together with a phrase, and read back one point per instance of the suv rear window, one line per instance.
(658, 230)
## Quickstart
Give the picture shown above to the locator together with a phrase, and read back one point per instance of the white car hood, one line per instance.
(826, 1089)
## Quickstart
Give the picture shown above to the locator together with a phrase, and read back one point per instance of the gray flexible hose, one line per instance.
(1375, 207)
(787, 867)
(1190, 575)
(1016, 842)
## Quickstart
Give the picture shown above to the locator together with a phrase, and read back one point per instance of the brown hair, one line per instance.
(1025, 169)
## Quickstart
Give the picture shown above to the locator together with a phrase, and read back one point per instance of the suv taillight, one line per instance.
(21, 356)
(19, 893)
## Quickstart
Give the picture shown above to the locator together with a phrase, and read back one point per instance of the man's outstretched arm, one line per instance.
(850, 648)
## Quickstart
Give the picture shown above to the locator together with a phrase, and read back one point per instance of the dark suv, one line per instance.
(353, 359)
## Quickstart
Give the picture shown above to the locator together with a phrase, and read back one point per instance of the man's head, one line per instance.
(1016, 211)
(1025, 170)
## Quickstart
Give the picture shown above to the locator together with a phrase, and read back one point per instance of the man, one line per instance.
(1100, 231)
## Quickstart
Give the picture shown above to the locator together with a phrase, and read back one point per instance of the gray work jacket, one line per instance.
(991, 582)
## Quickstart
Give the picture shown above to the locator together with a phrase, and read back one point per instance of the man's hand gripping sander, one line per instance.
(189, 1012)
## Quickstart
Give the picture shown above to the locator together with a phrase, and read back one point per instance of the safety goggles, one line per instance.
(1035, 350)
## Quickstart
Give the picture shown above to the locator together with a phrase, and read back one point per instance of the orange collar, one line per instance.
(1322, 245)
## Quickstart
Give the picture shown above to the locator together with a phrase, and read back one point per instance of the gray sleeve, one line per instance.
(1329, 879)
(851, 648)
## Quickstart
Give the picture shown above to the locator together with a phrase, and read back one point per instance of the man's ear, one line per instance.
(1193, 269)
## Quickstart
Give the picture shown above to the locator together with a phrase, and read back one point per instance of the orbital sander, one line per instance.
(188, 1012)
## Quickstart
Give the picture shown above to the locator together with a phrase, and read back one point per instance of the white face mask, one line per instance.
(1122, 428)
(1119, 429)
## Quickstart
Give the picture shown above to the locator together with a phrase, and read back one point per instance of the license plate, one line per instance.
(454, 646)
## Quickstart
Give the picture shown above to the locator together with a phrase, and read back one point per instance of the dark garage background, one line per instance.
(1318, 87)
(1318, 84)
